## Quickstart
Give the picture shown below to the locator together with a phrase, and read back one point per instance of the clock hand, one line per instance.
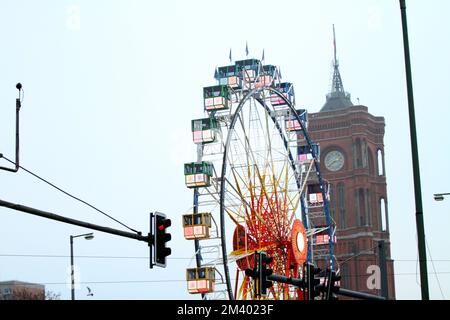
(333, 161)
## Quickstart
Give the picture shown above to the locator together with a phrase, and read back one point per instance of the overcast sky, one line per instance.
(110, 89)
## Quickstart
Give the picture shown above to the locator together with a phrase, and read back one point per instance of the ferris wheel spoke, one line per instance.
(253, 212)
(252, 156)
(248, 222)
(247, 205)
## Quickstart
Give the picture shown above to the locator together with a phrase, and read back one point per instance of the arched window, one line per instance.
(383, 215)
(357, 154)
(380, 162)
(364, 155)
(368, 207)
(362, 208)
(372, 169)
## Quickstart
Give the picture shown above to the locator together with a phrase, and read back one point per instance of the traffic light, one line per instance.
(331, 286)
(160, 238)
(260, 272)
(312, 284)
(254, 273)
(264, 272)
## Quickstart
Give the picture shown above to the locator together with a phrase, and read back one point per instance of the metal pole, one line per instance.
(288, 280)
(71, 268)
(298, 282)
(198, 254)
(17, 133)
(415, 161)
(440, 196)
(383, 269)
(151, 235)
(56, 217)
(16, 164)
(358, 295)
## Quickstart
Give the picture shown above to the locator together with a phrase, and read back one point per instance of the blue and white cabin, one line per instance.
(292, 123)
(305, 153)
(287, 90)
(248, 70)
(267, 76)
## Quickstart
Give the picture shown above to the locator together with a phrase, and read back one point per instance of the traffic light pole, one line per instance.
(288, 280)
(52, 216)
(298, 282)
(358, 295)
(260, 273)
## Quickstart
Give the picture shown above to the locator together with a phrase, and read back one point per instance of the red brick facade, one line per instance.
(358, 199)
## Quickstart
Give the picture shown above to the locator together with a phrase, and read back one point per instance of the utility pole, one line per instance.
(415, 161)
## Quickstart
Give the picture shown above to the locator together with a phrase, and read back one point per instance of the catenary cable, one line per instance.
(70, 195)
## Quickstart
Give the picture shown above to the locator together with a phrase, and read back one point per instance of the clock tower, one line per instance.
(352, 161)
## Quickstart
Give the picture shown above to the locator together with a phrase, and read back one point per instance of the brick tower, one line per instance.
(352, 161)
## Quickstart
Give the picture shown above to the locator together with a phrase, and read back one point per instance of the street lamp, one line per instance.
(440, 196)
(87, 236)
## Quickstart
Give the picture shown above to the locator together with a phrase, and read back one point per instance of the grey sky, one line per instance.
(111, 87)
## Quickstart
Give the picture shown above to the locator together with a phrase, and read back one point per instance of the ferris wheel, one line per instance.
(257, 186)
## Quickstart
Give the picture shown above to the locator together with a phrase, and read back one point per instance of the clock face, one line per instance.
(334, 160)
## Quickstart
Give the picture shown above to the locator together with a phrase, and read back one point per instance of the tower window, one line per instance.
(370, 159)
(380, 161)
(362, 208)
(357, 153)
(369, 207)
(364, 153)
(383, 215)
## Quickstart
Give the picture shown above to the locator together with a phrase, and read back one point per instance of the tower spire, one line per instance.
(337, 98)
(337, 85)
(334, 44)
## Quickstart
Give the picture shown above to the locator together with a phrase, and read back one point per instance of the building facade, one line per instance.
(352, 161)
(18, 290)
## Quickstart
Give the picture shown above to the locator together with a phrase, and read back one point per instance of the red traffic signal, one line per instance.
(159, 225)
(161, 222)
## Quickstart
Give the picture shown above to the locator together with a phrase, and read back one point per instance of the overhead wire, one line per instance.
(70, 195)
(434, 269)
(184, 280)
(83, 256)
(12, 255)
